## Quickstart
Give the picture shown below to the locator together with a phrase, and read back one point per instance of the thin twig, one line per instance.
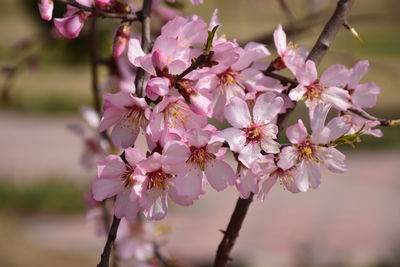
(382, 122)
(146, 43)
(112, 234)
(319, 50)
(126, 16)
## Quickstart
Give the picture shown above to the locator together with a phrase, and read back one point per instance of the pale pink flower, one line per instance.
(252, 133)
(115, 178)
(328, 89)
(362, 95)
(196, 160)
(126, 114)
(173, 115)
(290, 56)
(359, 123)
(308, 151)
(155, 183)
(46, 9)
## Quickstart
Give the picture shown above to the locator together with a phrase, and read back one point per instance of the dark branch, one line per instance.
(126, 16)
(383, 122)
(146, 43)
(318, 52)
(112, 234)
(330, 30)
(232, 231)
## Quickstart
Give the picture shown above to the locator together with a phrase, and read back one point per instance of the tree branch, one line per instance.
(112, 234)
(382, 122)
(330, 30)
(318, 52)
(146, 43)
(126, 16)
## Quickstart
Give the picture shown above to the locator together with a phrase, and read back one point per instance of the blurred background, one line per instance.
(352, 220)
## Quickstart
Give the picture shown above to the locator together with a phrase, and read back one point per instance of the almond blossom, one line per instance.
(198, 159)
(155, 183)
(290, 56)
(126, 115)
(252, 133)
(115, 178)
(328, 89)
(362, 95)
(308, 151)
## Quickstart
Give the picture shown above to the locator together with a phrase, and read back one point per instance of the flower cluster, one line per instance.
(193, 76)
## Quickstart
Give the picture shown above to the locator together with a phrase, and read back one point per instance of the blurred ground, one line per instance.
(352, 220)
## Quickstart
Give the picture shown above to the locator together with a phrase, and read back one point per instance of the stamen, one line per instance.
(200, 156)
(253, 133)
(157, 179)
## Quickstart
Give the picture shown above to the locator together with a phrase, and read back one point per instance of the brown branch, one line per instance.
(146, 43)
(283, 79)
(318, 52)
(112, 234)
(383, 122)
(126, 16)
(330, 30)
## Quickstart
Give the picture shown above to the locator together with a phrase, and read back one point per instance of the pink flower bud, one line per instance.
(121, 40)
(46, 9)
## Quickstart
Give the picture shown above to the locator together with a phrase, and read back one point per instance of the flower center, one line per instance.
(157, 179)
(135, 115)
(306, 149)
(285, 177)
(227, 78)
(200, 156)
(314, 90)
(127, 176)
(253, 133)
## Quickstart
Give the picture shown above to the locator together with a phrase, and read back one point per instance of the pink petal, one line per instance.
(124, 207)
(338, 97)
(270, 146)
(134, 51)
(267, 186)
(110, 167)
(297, 133)
(297, 93)
(235, 138)
(250, 154)
(288, 157)
(308, 74)
(106, 188)
(188, 182)
(133, 155)
(178, 199)
(247, 183)
(336, 75)
(219, 174)
(154, 204)
(237, 113)
(198, 138)
(333, 159)
(267, 108)
(46, 9)
(280, 40)
(174, 153)
(317, 118)
(125, 133)
(69, 27)
(365, 95)
(313, 173)
(357, 72)
(157, 87)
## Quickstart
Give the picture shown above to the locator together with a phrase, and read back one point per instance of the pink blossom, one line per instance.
(362, 95)
(173, 115)
(359, 123)
(115, 177)
(126, 114)
(251, 134)
(197, 160)
(290, 56)
(156, 183)
(46, 9)
(328, 89)
(308, 151)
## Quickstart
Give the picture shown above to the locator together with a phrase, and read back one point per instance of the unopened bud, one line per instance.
(121, 39)
(46, 9)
